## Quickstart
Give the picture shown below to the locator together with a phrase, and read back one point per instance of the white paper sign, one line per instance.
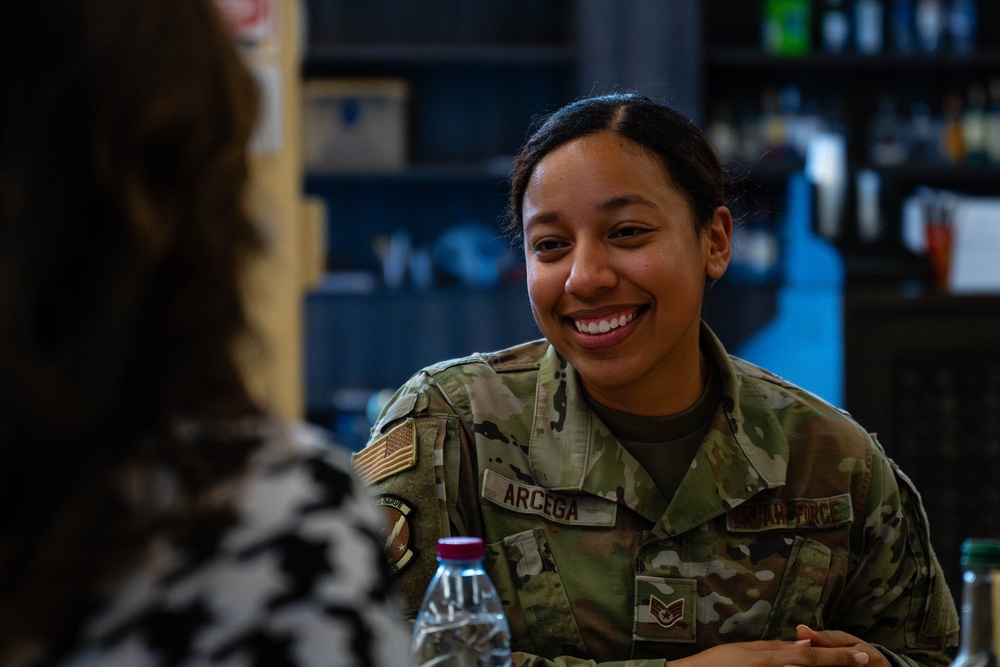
(268, 136)
(975, 250)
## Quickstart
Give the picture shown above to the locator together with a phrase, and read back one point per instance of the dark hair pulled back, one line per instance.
(688, 159)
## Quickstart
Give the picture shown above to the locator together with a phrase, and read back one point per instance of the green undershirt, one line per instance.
(665, 446)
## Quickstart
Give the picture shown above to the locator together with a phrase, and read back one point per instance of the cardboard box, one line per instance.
(354, 125)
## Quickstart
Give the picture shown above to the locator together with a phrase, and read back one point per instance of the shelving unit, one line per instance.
(479, 71)
(845, 89)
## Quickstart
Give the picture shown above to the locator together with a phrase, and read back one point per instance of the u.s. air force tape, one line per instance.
(790, 514)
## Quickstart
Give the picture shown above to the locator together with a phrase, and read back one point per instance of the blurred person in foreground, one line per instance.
(646, 498)
(152, 513)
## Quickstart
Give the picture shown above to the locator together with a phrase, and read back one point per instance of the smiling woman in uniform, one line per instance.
(720, 515)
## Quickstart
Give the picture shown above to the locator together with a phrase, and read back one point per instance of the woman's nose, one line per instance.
(592, 270)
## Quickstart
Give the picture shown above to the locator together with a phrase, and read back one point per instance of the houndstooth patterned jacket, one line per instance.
(298, 579)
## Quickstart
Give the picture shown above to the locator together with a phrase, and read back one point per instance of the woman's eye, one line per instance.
(546, 245)
(627, 232)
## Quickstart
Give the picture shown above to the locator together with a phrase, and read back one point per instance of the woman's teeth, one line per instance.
(603, 326)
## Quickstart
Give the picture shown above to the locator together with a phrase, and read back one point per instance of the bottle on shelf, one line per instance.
(749, 125)
(962, 25)
(772, 124)
(461, 620)
(952, 138)
(979, 645)
(888, 143)
(786, 27)
(930, 25)
(798, 125)
(722, 131)
(938, 215)
(834, 27)
(868, 186)
(868, 20)
(902, 23)
(992, 124)
(924, 132)
(974, 125)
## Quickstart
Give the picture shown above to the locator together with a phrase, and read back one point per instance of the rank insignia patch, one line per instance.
(665, 609)
(666, 615)
(394, 452)
(398, 532)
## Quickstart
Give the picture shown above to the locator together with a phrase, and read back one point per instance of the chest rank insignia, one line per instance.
(398, 534)
(666, 615)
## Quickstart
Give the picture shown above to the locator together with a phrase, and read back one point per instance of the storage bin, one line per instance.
(354, 125)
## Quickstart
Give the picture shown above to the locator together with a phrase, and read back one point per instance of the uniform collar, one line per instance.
(572, 450)
(744, 452)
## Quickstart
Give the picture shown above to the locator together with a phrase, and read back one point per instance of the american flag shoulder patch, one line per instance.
(393, 453)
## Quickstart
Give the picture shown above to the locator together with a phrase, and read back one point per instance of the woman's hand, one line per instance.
(813, 649)
(836, 639)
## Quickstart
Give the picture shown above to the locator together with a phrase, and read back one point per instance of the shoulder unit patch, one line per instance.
(398, 532)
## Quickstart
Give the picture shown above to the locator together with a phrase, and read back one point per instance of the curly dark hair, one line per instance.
(123, 238)
(687, 157)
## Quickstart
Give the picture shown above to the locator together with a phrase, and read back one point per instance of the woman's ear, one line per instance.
(718, 237)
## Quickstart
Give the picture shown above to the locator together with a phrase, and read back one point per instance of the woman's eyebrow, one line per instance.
(612, 204)
(543, 218)
(622, 201)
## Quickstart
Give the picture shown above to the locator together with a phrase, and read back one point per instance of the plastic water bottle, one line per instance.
(979, 645)
(461, 621)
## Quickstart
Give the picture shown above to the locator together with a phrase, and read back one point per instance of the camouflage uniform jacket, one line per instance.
(790, 513)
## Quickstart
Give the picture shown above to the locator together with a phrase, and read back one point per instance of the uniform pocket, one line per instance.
(531, 582)
(748, 587)
(802, 585)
